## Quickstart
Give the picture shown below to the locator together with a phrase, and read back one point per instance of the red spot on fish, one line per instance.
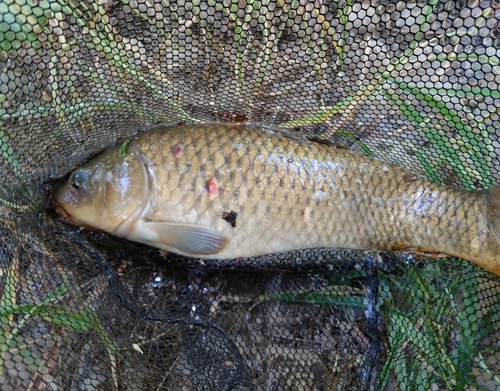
(235, 117)
(361, 229)
(177, 150)
(212, 186)
(306, 214)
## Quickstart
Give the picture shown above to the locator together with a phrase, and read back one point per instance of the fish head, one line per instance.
(106, 193)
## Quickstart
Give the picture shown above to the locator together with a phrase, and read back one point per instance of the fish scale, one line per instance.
(288, 194)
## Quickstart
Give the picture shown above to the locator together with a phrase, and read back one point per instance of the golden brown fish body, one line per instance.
(216, 191)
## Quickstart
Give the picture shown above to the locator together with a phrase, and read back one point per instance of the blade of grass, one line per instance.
(342, 295)
(482, 364)
(141, 15)
(92, 103)
(103, 41)
(439, 361)
(471, 334)
(8, 152)
(462, 92)
(344, 19)
(342, 277)
(427, 11)
(338, 45)
(366, 150)
(321, 115)
(240, 73)
(9, 294)
(429, 169)
(483, 58)
(421, 94)
(88, 314)
(9, 155)
(437, 138)
(346, 108)
(395, 341)
(467, 138)
(275, 43)
(8, 338)
(77, 319)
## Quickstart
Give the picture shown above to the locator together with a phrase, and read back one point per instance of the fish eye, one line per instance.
(77, 179)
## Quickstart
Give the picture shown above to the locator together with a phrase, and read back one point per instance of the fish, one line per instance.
(215, 191)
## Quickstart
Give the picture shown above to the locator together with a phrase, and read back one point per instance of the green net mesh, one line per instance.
(413, 83)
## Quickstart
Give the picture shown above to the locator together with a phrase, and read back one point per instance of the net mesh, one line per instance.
(413, 83)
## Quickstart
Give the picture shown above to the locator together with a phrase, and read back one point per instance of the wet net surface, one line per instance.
(412, 83)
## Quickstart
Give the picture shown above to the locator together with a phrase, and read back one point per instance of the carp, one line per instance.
(223, 192)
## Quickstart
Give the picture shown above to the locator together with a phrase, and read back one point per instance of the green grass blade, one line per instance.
(321, 115)
(435, 136)
(365, 148)
(421, 94)
(420, 343)
(8, 296)
(102, 41)
(395, 343)
(342, 295)
(65, 317)
(275, 43)
(473, 142)
(483, 58)
(337, 44)
(472, 332)
(426, 13)
(429, 169)
(462, 92)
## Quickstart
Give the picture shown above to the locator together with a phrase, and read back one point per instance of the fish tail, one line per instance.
(492, 200)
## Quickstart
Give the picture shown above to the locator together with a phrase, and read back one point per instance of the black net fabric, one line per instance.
(412, 83)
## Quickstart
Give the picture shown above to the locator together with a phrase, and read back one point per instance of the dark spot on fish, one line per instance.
(290, 160)
(230, 217)
(330, 143)
(407, 177)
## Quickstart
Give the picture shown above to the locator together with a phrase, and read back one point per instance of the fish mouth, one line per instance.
(67, 194)
(61, 211)
(63, 215)
(54, 205)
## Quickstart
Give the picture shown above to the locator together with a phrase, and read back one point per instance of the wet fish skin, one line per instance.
(175, 184)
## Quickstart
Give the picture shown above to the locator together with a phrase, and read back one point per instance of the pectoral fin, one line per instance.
(189, 239)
